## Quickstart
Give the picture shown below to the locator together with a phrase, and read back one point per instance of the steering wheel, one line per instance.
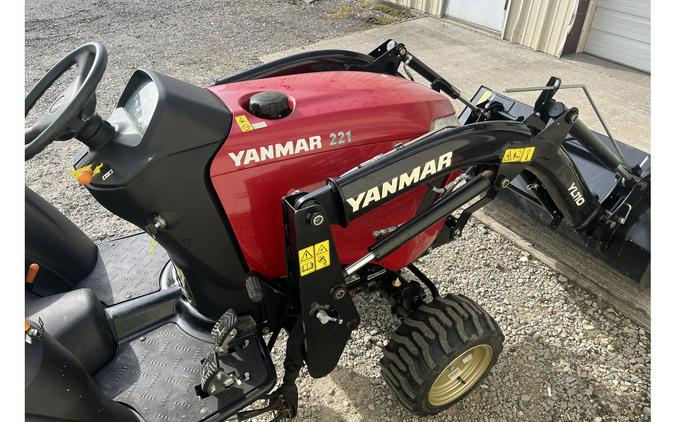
(68, 114)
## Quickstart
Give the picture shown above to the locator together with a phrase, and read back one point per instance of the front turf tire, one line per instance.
(435, 348)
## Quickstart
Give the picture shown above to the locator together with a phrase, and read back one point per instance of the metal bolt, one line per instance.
(142, 338)
(396, 282)
(212, 389)
(504, 183)
(457, 233)
(266, 330)
(402, 52)
(611, 224)
(324, 318)
(339, 293)
(159, 222)
(317, 219)
(642, 186)
(572, 118)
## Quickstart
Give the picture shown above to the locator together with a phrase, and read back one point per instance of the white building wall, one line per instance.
(432, 7)
(541, 25)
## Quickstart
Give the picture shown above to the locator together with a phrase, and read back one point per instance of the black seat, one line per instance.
(78, 321)
(65, 254)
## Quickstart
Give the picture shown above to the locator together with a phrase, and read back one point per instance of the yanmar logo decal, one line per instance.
(278, 150)
(400, 182)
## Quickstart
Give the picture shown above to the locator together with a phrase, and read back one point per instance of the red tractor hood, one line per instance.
(338, 121)
(373, 107)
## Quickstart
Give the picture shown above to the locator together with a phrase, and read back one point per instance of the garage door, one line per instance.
(620, 32)
(487, 13)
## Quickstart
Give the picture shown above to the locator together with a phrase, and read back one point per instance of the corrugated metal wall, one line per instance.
(540, 24)
(432, 7)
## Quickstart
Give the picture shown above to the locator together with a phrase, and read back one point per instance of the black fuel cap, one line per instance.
(269, 105)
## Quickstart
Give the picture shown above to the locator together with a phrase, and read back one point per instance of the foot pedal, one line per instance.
(254, 289)
(224, 330)
(210, 368)
(244, 372)
(214, 379)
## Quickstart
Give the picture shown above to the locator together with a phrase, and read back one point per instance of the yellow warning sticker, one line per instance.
(486, 96)
(306, 258)
(314, 257)
(518, 155)
(243, 123)
(322, 255)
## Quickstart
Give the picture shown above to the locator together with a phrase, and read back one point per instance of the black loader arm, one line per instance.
(491, 153)
(492, 150)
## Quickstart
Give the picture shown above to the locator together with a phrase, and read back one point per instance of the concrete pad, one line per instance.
(469, 58)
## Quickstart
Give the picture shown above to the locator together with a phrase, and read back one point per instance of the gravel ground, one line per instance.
(195, 41)
(567, 355)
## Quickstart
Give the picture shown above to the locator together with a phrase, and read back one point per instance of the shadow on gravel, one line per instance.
(362, 394)
(324, 413)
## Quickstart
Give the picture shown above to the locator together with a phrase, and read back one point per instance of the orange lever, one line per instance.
(32, 273)
(85, 177)
(26, 325)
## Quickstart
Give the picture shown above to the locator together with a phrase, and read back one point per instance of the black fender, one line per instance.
(311, 61)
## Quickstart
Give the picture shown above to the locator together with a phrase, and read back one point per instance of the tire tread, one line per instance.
(425, 339)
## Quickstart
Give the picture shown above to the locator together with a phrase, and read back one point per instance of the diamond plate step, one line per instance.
(156, 375)
(126, 269)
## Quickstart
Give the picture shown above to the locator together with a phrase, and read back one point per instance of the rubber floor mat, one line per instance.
(126, 268)
(156, 374)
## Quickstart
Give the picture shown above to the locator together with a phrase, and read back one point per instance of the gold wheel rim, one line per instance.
(462, 373)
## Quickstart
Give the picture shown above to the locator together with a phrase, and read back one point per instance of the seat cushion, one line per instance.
(65, 254)
(78, 321)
